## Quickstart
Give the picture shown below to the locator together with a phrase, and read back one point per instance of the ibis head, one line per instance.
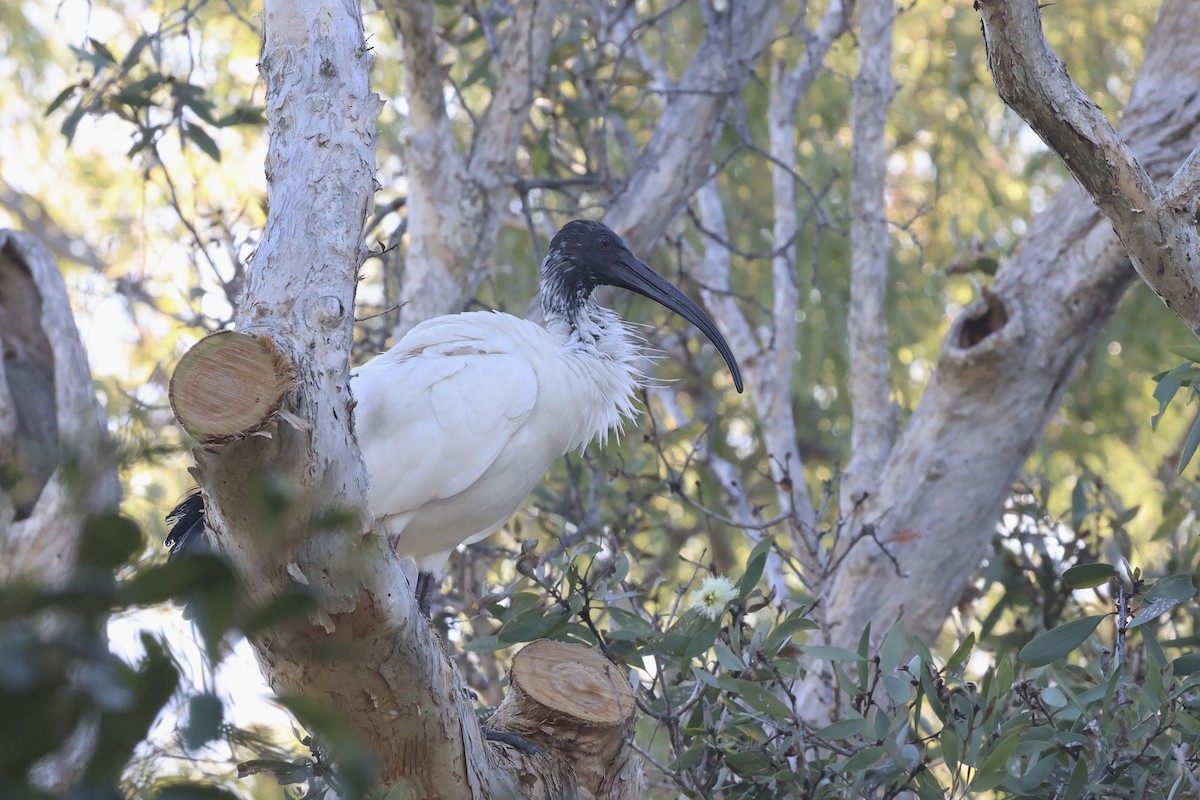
(586, 254)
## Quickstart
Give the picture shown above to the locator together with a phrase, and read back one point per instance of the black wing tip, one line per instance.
(185, 525)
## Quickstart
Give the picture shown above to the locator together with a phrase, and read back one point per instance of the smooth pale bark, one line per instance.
(678, 159)
(767, 359)
(873, 418)
(1004, 366)
(457, 202)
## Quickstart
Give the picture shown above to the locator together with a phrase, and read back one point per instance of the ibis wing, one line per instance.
(431, 419)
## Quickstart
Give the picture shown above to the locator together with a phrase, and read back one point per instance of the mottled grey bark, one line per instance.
(1004, 366)
(57, 462)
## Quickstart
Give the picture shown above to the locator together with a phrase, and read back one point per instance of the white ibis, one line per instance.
(461, 418)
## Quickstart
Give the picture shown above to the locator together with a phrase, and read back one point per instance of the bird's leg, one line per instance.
(512, 740)
(424, 592)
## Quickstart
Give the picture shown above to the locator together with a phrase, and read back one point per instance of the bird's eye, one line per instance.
(606, 242)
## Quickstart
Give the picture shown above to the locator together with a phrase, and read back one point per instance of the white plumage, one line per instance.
(459, 421)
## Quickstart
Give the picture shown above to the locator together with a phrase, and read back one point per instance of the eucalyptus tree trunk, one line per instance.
(1004, 366)
(57, 464)
(269, 406)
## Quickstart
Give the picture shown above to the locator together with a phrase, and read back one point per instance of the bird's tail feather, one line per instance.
(185, 526)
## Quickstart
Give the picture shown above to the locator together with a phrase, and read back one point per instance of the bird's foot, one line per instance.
(512, 740)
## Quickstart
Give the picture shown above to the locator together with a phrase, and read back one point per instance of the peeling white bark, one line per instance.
(678, 159)
(768, 359)
(394, 682)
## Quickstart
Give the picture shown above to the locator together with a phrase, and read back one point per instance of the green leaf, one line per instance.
(120, 732)
(861, 760)
(1079, 504)
(961, 654)
(1189, 351)
(994, 768)
(1186, 665)
(727, 658)
(243, 115)
(1153, 649)
(784, 631)
(355, 765)
(898, 688)
(61, 98)
(1168, 385)
(754, 567)
(892, 650)
(1189, 447)
(952, 747)
(630, 622)
(1173, 587)
(1126, 516)
(703, 633)
(178, 579)
(293, 601)
(485, 644)
(194, 791)
(71, 123)
(202, 140)
(102, 50)
(842, 729)
(756, 696)
(138, 94)
(1089, 576)
(528, 626)
(1058, 642)
(108, 541)
(1153, 610)
(824, 652)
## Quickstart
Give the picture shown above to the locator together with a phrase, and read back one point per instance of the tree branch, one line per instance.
(1006, 361)
(873, 423)
(456, 202)
(520, 72)
(1161, 237)
(678, 158)
(54, 449)
(769, 372)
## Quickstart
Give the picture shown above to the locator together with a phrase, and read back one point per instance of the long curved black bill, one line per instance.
(639, 277)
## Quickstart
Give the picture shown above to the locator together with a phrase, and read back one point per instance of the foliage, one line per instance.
(1094, 704)
(1088, 708)
(62, 681)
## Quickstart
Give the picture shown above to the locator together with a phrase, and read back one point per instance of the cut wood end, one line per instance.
(229, 385)
(574, 681)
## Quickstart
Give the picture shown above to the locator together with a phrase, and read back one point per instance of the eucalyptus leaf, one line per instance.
(1058, 642)
(1089, 576)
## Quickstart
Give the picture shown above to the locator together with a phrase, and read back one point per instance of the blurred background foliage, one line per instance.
(133, 145)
